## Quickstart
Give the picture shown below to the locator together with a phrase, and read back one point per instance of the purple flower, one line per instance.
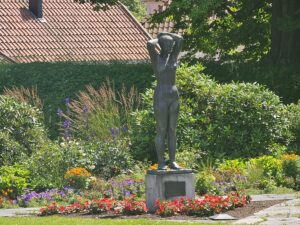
(59, 112)
(124, 128)
(113, 132)
(67, 101)
(67, 124)
(85, 109)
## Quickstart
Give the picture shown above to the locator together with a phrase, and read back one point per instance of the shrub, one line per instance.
(291, 165)
(78, 178)
(283, 79)
(49, 164)
(231, 120)
(294, 118)
(21, 130)
(13, 180)
(264, 172)
(232, 167)
(204, 183)
(112, 158)
(272, 167)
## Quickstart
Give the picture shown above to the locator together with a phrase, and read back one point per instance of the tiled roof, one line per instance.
(70, 32)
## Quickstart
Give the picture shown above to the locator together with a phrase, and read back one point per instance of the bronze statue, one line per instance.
(166, 96)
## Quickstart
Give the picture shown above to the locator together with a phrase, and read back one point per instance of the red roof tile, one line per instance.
(72, 32)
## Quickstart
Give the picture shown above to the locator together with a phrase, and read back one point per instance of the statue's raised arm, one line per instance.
(151, 46)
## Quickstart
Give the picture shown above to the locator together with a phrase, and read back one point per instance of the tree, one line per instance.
(261, 28)
(220, 27)
(135, 6)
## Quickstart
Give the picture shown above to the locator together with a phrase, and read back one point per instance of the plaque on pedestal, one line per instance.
(168, 185)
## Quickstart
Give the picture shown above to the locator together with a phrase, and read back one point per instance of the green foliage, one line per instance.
(13, 180)
(294, 118)
(271, 166)
(22, 130)
(218, 28)
(67, 79)
(291, 168)
(100, 114)
(284, 80)
(230, 120)
(49, 164)
(112, 158)
(267, 172)
(136, 7)
(204, 182)
(230, 167)
(78, 178)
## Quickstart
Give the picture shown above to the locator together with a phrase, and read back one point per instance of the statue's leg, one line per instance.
(173, 115)
(161, 117)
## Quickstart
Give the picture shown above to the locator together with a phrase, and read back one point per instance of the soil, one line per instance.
(237, 213)
(251, 208)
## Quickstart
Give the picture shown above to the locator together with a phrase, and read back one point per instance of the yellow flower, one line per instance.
(78, 171)
(154, 166)
(290, 157)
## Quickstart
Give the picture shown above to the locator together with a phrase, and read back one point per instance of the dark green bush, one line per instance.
(21, 130)
(233, 120)
(294, 118)
(284, 80)
(57, 81)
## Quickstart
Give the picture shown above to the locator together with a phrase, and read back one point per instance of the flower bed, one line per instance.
(201, 206)
(129, 206)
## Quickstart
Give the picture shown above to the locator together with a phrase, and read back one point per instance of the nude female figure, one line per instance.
(166, 97)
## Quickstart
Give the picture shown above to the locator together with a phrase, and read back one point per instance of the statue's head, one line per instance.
(166, 43)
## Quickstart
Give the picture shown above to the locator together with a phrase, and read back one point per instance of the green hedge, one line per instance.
(57, 81)
(284, 80)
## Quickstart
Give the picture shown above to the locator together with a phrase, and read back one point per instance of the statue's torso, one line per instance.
(166, 76)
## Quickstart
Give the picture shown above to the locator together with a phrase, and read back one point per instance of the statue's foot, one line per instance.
(175, 166)
(162, 166)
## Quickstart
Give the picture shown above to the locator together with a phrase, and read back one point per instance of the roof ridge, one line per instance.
(6, 57)
(135, 20)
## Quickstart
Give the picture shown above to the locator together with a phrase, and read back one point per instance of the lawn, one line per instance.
(84, 221)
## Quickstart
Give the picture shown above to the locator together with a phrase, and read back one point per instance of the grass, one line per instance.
(56, 220)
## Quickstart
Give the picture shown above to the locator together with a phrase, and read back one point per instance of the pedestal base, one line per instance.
(168, 185)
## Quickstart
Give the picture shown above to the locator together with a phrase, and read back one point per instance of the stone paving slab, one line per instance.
(18, 212)
(268, 197)
(286, 213)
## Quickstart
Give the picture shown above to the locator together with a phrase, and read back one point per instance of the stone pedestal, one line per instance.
(168, 185)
